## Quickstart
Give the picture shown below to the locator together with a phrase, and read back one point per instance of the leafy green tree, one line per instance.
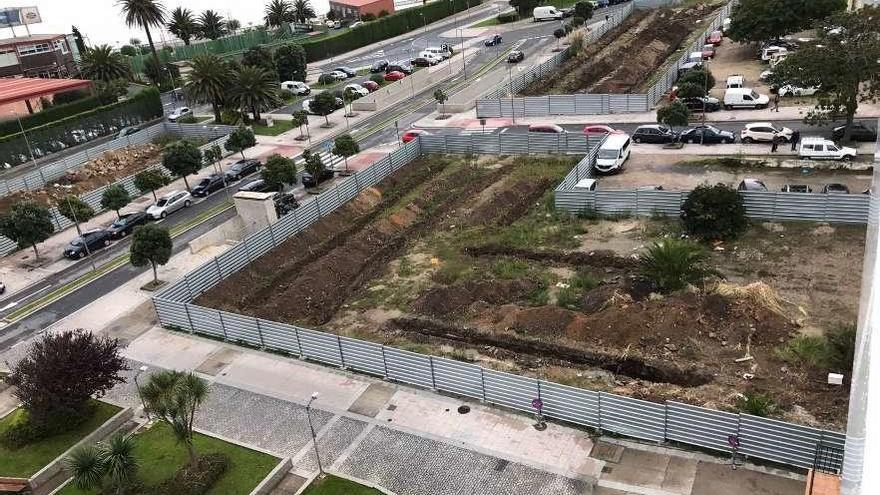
(278, 12)
(754, 21)
(211, 25)
(345, 146)
(584, 10)
(174, 397)
(240, 139)
(78, 39)
(157, 73)
(324, 104)
(844, 63)
(127, 50)
(559, 33)
(302, 11)
(144, 14)
(672, 264)
(150, 180)
(114, 461)
(577, 21)
(111, 91)
(208, 80)
(695, 82)
(290, 62)
(212, 155)
(255, 89)
(101, 63)
(183, 24)
(75, 210)
(441, 98)
(182, 158)
(115, 198)
(300, 118)
(27, 224)
(674, 115)
(151, 244)
(714, 212)
(279, 170)
(524, 7)
(260, 57)
(313, 164)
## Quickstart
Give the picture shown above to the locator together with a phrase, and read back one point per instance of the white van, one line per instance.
(296, 87)
(735, 81)
(613, 153)
(586, 185)
(818, 148)
(744, 98)
(725, 25)
(768, 52)
(438, 52)
(548, 13)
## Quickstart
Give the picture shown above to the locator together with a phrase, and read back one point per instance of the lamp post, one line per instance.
(138, 385)
(79, 231)
(26, 140)
(510, 90)
(312, 429)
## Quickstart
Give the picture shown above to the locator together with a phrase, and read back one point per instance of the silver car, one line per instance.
(169, 203)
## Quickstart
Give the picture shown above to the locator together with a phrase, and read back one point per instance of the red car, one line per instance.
(598, 130)
(370, 85)
(412, 134)
(715, 38)
(708, 51)
(394, 76)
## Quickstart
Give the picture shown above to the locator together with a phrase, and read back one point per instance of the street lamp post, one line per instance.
(510, 90)
(138, 385)
(26, 140)
(312, 429)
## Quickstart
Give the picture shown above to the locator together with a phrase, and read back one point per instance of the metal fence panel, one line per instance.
(778, 441)
(172, 313)
(240, 328)
(409, 367)
(279, 336)
(362, 356)
(457, 377)
(575, 405)
(632, 417)
(202, 278)
(319, 346)
(700, 426)
(205, 321)
(514, 391)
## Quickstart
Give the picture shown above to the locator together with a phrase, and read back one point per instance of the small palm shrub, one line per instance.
(672, 264)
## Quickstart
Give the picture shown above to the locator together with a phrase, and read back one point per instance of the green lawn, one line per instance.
(331, 485)
(278, 127)
(159, 456)
(24, 462)
(488, 22)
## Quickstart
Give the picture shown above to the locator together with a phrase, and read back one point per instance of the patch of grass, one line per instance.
(805, 350)
(488, 22)
(405, 269)
(568, 298)
(539, 297)
(159, 456)
(584, 281)
(509, 268)
(333, 485)
(23, 462)
(278, 127)
(757, 404)
(453, 270)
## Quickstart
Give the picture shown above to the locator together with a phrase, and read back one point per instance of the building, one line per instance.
(355, 9)
(39, 55)
(21, 96)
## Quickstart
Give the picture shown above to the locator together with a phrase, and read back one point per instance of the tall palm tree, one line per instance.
(211, 25)
(144, 14)
(183, 24)
(232, 25)
(208, 80)
(302, 11)
(101, 63)
(278, 12)
(254, 89)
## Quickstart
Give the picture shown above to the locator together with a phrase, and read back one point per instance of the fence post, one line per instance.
(219, 271)
(222, 326)
(247, 251)
(260, 334)
(272, 235)
(192, 328)
(482, 384)
(433, 379)
(188, 288)
(341, 356)
(599, 407)
(384, 362)
(298, 343)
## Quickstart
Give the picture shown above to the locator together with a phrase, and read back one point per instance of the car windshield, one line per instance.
(162, 202)
(76, 242)
(120, 222)
(713, 129)
(608, 154)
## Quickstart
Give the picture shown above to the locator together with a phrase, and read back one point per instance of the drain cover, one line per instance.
(464, 409)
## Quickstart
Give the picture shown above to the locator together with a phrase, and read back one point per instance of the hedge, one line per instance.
(382, 29)
(51, 114)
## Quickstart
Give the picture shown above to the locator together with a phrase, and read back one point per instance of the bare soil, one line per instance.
(626, 57)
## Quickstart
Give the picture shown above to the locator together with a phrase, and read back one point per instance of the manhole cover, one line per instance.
(464, 409)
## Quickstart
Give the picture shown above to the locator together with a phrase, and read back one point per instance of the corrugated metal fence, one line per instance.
(512, 144)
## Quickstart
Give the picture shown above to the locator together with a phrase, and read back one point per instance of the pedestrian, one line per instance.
(607, 17)
(775, 144)
(795, 139)
(776, 102)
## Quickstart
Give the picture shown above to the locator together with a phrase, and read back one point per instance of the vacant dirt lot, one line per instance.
(627, 56)
(469, 260)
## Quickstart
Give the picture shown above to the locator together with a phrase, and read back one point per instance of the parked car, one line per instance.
(355, 24)
(744, 98)
(307, 105)
(394, 76)
(379, 66)
(424, 62)
(308, 180)
(257, 185)
(126, 223)
(708, 52)
(796, 188)
(695, 64)
(412, 134)
(242, 168)
(751, 185)
(567, 12)
(653, 133)
(545, 13)
(370, 85)
(706, 134)
(179, 113)
(818, 148)
(400, 67)
(613, 153)
(494, 40)
(169, 203)
(766, 75)
(715, 38)
(835, 188)
(433, 57)
(126, 131)
(209, 184)
(698, 103)
(858, 132)
(546, 129)
(348, 71)
(515, 56)
(598, 130)
(296, 87)
(586, 184)
(736, 81)
(356, 89)
(763, 132)
(770, 51)
(442, 52)
(789, 90)
(88, 242)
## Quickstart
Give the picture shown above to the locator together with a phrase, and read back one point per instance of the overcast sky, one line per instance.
(101, 22)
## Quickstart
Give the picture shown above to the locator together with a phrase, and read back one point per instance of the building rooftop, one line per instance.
(30, 39)
(354, 3)
(18, 89)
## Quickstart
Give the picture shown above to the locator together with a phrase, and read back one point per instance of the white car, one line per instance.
(333, 24)
(356, 24)
(339, 75)
(357, 89)
(178, 113)
(765, 75)
(296, 87)
(789, 90)
(818, 148)
(431, 56)
(169, 203)
(763, 132)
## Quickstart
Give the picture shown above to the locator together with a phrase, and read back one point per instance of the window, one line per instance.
(60, 45)
(34, 49)
(831, 147)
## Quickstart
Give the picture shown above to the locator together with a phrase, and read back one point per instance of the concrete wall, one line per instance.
(230, 230)
(273, 478)
(257, 210)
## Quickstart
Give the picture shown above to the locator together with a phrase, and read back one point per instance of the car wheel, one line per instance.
(748, 140)
(106, 242)
(728, 107)
(729, 141)
(187, 203)
(82, 254)
(164, 214)
(638, 140)
(123, 233)
(761, 107)
(846, 158)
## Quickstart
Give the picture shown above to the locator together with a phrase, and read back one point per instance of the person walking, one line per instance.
(795, 139)
(775, 144)
(776, 102)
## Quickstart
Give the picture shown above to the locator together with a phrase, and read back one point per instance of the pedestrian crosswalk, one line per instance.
(328, 159)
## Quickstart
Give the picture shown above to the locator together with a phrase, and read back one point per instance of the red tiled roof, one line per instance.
(18, 89)
(354, 3)
(34, 38)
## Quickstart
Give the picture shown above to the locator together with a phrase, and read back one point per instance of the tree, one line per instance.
(212, 155)
(27, 223)
(101, 63)
(672, 264)
(278, 12)
(90, 465)
(844, 63)
(128, 51)
(523, 7)
(174, 397)
(182, 158)
(441, 98)
(753, 21)
(183, 24)
(324, 104)
(559, 33)
(211, 25)
(61, 372)
(208, 81)
(302, 11)
(114, 198)
(151, 244)
(75, 210)
(144, 14)
(577, 21)
(78, 39)
(254, 89)
(584, 10)
(695, 83)
(313, 164)
(158, 73)
(674, 115)
(714, 212)
(290, 62)
(232, 25)
(150, 180)
(300, 118)
(260, 57)
(331, 16)
(345, 146)
(279, 170)
(239, 140)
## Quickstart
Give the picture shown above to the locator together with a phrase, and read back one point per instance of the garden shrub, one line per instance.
(506, 17)
(195, 478)
(714, 212)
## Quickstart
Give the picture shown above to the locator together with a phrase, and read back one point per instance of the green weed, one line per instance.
(509, 268)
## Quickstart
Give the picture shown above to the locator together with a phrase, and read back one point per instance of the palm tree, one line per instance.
(174, 397)
(208, 80)
(277, 13)
(183, 24)
(672, 264)
(253, 88)
(86, 465)
(302, 11)
(119, 462)
(101, 63)
(144, 14)
(211, 25)
(232, 25)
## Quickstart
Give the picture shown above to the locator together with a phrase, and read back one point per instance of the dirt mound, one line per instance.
(455, 300)
(509, 202)
(598, 258)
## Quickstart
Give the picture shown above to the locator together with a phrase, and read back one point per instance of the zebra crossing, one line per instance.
(329, 160)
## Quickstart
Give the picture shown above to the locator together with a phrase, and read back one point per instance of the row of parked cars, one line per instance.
(748, 184)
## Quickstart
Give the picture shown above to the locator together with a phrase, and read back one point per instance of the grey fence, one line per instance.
(501, 144)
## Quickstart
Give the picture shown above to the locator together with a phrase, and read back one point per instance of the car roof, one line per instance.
(615, 140)
(585, 183)
(169, 194)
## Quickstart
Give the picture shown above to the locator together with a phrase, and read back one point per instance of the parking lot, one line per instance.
(678, 172)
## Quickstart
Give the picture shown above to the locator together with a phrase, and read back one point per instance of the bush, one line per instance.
(672, 264)
(189, 119)
(378, 79)
(842, 347)
(714, 212)
(506, 17)
(25, 431)
(195, 478)
(368, 17)
(805, 350)
(756, 404)
(577, 21)
(326, 79)
(286, 94)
